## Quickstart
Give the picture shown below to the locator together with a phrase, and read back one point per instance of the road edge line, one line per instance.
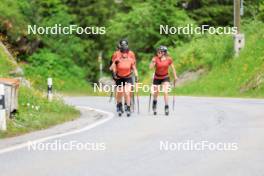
(110, 116)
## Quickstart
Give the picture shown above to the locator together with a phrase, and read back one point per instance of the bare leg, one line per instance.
(155, 97)
(155, 92)
(119, 96)
(127, 92)
(165, 87)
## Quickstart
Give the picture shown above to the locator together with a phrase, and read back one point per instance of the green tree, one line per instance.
(141, 26)
(211, 12)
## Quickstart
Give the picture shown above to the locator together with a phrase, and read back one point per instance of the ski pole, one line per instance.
(137, 101)
(133, 101)
(133, 94)
(150, 93)
(111, 96)
(149, 101)
(112, 91)
(173, 105)
(136, 81)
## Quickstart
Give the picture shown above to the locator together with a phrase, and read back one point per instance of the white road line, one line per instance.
(110, 115)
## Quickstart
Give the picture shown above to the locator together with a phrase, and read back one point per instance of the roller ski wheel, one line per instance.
(166, 110)
(128, 111)
(119, 108)
(154, 107)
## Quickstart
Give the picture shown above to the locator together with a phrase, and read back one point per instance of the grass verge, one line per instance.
(36, 113)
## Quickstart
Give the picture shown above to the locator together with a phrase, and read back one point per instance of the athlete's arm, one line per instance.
(134, 57)
(174, 71)
(113, 67)
(113, 58)
(152, 64)
(135, 71)
(111, 63)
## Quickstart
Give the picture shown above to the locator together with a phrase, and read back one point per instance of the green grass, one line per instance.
(5, 64)
(36, 113)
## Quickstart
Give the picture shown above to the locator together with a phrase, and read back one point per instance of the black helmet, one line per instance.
(163, 49)
(123, 45)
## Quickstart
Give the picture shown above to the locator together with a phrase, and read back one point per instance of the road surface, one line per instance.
(136, 146)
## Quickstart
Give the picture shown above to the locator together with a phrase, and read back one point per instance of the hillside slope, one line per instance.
(226, 75)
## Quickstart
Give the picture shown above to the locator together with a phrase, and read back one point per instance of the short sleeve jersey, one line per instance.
(124, 65)
(162, 67)
(118, 54)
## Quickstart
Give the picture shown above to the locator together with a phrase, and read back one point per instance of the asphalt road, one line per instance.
(132, 146)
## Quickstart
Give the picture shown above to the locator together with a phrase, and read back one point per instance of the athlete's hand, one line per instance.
(136, 79)
(115, 76)
(174, 82)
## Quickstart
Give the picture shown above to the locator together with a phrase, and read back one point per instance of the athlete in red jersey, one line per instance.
(123, 64)
(162, 62)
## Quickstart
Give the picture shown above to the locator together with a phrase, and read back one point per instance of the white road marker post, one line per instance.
(2, 108)
(100, 60)
(239, 38)
(49, 95)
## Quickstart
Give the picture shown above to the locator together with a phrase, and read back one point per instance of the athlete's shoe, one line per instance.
(128, 111)
(154, 107)
(166, 109)
(125, 107)
(119, 109)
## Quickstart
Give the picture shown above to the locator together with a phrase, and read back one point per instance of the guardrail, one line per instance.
(8, 99)
(2, 108)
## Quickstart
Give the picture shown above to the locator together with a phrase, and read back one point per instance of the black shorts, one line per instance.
(160, 81)
(124, 81)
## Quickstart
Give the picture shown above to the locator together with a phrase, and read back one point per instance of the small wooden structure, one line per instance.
(11, 87)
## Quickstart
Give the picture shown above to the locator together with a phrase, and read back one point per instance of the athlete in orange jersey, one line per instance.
(123, 64)
(118, 54)
(162, 62)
